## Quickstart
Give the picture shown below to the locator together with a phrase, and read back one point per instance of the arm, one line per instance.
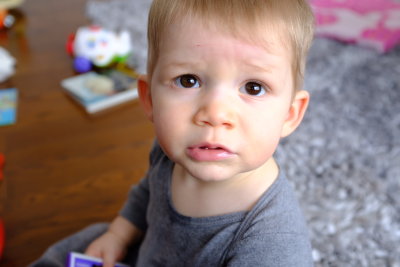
(112, 245)
(127, 228)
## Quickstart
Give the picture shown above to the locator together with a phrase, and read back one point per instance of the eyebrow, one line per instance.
(260, 66)
(265, 68)
(178, 66)
(181, 65)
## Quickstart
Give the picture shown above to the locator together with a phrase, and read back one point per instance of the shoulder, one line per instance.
(273, 232)
(278, 211)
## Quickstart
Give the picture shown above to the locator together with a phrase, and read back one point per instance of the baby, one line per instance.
(223, 87)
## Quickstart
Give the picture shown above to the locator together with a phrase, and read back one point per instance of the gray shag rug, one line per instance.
(344, 160)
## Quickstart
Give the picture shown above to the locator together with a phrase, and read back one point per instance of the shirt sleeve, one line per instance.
(279, 249)
(135, 207)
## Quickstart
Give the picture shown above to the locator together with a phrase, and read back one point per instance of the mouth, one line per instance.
(211, 147)
(207, 146)
(209, 152)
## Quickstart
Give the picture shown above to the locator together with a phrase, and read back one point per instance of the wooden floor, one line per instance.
(64, 169)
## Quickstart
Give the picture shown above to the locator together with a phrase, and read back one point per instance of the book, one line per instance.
(8, 106)
(81, 260)
(99, 91)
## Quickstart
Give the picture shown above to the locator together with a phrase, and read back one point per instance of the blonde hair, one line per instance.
(291, 19)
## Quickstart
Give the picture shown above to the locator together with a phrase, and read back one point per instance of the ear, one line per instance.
(145, 96)
(296, 112)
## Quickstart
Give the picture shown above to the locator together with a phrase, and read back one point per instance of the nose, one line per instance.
(215, 110)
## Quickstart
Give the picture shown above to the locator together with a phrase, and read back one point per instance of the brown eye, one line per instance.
(253, 89)
(187, 81)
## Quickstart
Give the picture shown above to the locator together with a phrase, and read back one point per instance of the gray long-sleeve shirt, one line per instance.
(273, 233)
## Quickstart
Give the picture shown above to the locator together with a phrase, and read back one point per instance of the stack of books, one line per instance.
(99, 91)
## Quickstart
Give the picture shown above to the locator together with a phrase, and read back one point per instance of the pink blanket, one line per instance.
(371, 23)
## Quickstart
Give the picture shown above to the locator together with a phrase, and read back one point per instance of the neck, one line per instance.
(197, 198)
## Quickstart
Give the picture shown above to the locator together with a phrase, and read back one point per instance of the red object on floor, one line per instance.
(2, 234)
(2, 159)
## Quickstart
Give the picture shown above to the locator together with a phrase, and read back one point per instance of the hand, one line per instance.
(109, 247)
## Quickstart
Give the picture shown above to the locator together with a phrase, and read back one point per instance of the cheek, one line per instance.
(165, 134)
(170, 110)
(264, 136)
(164, 125)
(169, 123)
(265, 147)
(261, 152)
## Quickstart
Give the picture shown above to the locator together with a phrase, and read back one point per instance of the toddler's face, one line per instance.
(219, 104)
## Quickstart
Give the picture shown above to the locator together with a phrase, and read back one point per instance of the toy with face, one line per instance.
(100, 47)
(7, 63)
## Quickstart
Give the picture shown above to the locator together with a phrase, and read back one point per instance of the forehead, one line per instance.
(198, 33)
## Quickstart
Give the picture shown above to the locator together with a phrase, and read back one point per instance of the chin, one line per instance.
(209, 178)
(211, 173)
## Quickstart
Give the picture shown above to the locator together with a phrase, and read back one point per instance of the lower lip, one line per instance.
(200, 154)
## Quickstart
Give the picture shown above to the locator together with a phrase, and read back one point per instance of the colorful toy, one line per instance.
(371, 23)
(7, 63)
(81, 260)
(94, 46)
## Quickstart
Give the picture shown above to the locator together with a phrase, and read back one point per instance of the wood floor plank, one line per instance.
(64, 169)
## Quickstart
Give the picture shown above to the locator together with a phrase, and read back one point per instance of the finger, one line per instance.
(93, 251)
(108, 260)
